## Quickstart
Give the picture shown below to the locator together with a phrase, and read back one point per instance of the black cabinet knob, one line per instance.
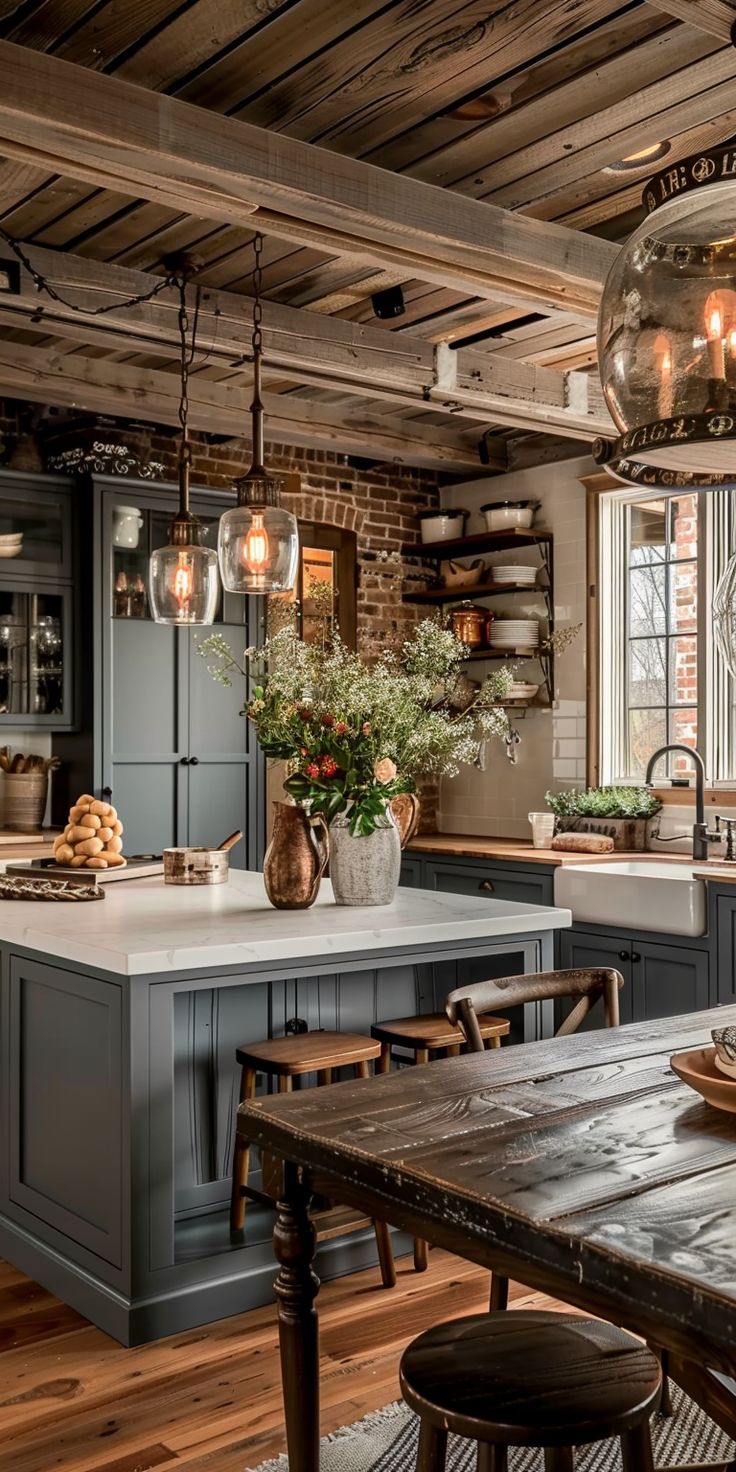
(635, 956)
(184, 761)
(107, 793)
(194, 761)
(487, 885)
(624, 956)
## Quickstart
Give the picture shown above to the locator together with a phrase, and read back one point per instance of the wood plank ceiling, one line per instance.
(525, 104)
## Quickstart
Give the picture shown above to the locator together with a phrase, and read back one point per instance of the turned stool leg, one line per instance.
(383, 1064)
(383, 1234)
(560, 1459)
(324, 1077)
(432, 1448)
(241, 1157)
(492, 1458)
(636, 1449)
(499, 1292)
(496, 1041)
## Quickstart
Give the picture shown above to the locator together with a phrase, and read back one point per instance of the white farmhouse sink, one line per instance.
(638, 895)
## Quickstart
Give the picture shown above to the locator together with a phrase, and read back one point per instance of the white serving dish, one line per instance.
(12, 551)
(444, 527)
(504, 518)
(655, 896)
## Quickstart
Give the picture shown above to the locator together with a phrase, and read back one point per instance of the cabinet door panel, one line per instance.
(145, 795)
(581, 951)
(668, 980)
(218, 804)
(411, 873)
(216, 726)
(146, 688)
(495, 883)
(726, 947)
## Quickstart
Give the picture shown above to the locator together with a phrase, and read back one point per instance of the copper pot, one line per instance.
(471, 623)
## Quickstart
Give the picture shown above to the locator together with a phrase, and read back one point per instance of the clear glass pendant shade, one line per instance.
(258, 548)
(183, 584)
(724, 616)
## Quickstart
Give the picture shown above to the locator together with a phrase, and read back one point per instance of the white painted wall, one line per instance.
(497, 802)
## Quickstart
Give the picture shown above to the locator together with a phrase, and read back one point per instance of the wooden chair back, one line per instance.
(600, 983)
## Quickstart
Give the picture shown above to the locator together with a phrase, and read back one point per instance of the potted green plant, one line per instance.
(355, 733)
(622, 813)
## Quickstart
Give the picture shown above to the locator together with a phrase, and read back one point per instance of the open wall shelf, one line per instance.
(479, 542)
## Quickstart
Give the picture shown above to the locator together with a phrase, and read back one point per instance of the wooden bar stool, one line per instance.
(424, 1036)
(288, 1059)
(547, 1380)
(432, 1033)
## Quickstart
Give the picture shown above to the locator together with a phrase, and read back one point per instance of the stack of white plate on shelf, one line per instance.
(521, 690)
(514, 574)
(11, 544)
(514, 633)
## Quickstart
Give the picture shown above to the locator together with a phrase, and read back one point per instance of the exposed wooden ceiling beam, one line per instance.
(309, 348)
(116, 136)
(103, 387)
(714, 16)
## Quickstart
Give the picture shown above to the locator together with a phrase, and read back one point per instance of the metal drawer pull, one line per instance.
(487, 885)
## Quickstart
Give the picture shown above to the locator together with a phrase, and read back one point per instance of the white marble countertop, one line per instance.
(145, 926)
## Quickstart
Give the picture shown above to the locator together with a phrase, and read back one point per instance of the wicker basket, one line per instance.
(25, 795)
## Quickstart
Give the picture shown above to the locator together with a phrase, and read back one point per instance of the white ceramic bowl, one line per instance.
(444, 527)
(502, 518)
(11, 551)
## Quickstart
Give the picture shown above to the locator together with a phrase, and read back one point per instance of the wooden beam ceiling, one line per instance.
(96, 385)
(714, 16)
(120, 137)
(308, 348)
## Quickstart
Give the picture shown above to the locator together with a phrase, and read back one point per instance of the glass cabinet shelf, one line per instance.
(32, 653)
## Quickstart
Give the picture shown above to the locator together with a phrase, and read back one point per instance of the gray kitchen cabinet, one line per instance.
(498, 881)
(411, 872)
(722, 921)
(162, 740)
(662, 978)
(37, 604)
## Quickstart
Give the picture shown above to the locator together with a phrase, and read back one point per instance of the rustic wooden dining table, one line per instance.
(581, 1166)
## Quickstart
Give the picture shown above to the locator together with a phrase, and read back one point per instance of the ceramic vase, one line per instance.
(296, 857)
(365, 871)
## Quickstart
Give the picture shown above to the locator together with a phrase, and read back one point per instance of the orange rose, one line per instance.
(384, 770)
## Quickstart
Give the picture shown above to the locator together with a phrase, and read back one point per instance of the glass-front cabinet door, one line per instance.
(136, 531)
(35, 531)
(35, 639)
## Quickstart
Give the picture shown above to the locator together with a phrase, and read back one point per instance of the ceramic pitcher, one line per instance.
(296, 857)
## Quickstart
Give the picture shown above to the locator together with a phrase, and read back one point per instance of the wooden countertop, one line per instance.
(16, 846)
(521, 852)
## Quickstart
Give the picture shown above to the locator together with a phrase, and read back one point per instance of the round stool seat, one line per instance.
(434, 1031)
(308, 1052)
(530, 1379)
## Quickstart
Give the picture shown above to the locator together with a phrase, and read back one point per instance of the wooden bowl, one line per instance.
(698, 1069)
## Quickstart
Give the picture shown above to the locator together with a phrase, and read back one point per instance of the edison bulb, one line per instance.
(183, 585)
(258, 547)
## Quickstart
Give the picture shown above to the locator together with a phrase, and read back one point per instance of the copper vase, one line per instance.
(296, 857)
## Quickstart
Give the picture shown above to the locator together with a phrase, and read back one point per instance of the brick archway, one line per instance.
(325, 510)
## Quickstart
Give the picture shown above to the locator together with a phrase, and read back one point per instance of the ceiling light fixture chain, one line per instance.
(42, 283)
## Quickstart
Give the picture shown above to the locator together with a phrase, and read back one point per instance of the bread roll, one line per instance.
(78, 860)
(105, 834)
(91, 821)
(114, 845)
(96, 862)
(89, 846)
(100, 809)
(113, 860)
(85, 798)
(117, 827)
(64, 853)
(78, 834)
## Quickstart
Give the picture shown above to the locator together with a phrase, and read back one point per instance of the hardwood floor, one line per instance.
(209, 1400)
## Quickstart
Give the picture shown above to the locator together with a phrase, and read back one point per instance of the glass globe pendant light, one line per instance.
(667, 332)
(258, 541)
(183, 580)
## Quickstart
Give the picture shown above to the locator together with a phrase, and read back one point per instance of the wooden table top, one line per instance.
(581, 1164)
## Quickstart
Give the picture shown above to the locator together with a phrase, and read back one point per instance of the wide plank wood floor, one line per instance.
(209, 1400)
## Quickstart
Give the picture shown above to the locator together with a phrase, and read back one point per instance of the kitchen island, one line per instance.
(120, 1021)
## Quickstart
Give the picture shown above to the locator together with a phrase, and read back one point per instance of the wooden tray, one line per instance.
(697, 1068)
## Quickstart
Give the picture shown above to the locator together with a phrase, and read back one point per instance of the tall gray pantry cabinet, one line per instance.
(157, 735)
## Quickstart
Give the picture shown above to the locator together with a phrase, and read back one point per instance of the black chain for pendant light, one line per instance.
(186, 359)
(41, 283)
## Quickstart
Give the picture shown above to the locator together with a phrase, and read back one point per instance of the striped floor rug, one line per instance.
(386, 1441)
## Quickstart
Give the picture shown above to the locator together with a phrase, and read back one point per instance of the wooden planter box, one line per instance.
(627, 833)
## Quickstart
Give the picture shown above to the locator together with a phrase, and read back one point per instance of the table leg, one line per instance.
(296, 1289)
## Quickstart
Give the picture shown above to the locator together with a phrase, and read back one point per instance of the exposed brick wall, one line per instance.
(379, 504)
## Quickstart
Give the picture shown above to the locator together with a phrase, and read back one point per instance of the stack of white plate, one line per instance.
(514, 633)
(514, 574)
(11, 544)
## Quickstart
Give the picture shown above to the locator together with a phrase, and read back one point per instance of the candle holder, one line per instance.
(667, 333)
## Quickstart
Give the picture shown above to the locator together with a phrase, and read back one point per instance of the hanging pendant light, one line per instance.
(667, 333)
(183, 580)
(258, 543)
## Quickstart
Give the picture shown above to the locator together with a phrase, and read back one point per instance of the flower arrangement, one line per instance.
(355, 734)
(604, 802)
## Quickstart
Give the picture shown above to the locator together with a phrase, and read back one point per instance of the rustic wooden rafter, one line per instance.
(78, 381)
(117, 136)
(309, 348)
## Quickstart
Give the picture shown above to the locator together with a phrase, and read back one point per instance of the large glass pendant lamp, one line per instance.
(258, 542)
(667, 332)
(183, 579)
